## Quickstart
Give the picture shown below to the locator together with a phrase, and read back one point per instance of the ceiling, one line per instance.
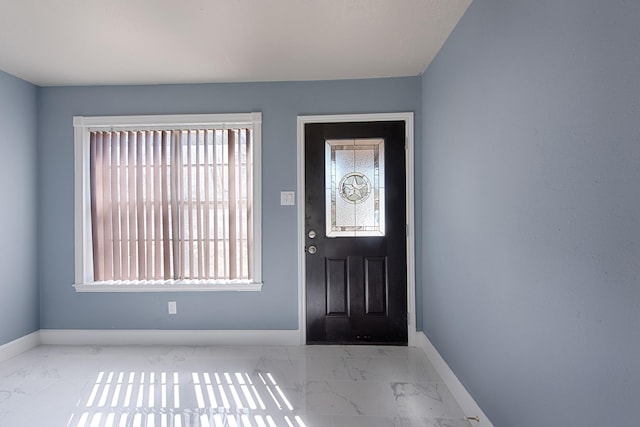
(104, 42)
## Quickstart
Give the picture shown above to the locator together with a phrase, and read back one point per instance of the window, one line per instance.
(354, 187)
(168, 202)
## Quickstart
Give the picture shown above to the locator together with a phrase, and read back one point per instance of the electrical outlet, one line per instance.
(173, 307)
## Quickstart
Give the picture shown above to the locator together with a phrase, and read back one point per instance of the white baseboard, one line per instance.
(168, 337)
(18, 346)
(462, 396)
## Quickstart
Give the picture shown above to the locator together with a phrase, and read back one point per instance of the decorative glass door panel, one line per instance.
(354, 187)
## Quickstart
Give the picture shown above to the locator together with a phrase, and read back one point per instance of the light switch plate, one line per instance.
(173, 307)
(287, 198)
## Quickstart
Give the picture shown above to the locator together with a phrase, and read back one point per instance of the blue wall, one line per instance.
(18, 264)
(531, 210)
(273, 308)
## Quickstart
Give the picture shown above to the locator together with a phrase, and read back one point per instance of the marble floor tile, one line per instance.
(423, 400)
(235, 386)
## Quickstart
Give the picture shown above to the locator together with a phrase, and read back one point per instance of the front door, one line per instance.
(355, 232)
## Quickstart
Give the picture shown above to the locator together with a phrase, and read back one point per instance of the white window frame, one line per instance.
(83, 125)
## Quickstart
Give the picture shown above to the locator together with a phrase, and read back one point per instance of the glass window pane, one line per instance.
(354, 187)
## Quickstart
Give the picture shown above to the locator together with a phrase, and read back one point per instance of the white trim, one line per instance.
(167, 286)
(166, 121)
(82, 206)
(167, 337)
(408, 119)
(256, 119)
(411, 251)
(468, 405)
(20, 345)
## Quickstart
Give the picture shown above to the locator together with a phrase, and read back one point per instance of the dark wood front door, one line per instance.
(355, 232)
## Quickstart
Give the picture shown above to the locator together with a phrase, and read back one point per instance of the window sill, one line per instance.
(168, 286)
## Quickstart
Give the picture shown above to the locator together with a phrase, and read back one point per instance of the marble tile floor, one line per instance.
(235, 386)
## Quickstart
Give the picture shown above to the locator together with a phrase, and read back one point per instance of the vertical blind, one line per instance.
(171, 204)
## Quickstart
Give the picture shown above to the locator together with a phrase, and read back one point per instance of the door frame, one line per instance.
(407, 117)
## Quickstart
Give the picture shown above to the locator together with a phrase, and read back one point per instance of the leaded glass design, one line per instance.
(354, 187)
